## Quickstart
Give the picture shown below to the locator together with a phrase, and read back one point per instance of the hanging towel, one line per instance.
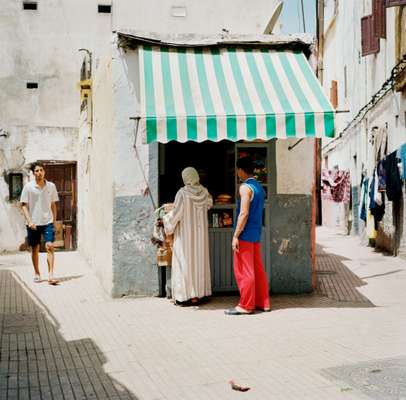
(364, 195)
(402, 155)
(393, 182)
(381, 177)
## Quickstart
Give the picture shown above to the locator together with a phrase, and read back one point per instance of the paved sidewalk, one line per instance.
(345, 341)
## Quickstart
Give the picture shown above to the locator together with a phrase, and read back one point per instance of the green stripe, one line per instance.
(329, 127)
(310, 128)
(151, 125)
(289, 113)
(225, 96)
(211, 120)
(318, 93)
(191, 121)
(270, 120)
(251, 120)
(171, 125)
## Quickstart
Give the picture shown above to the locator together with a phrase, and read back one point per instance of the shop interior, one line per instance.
(215, 162)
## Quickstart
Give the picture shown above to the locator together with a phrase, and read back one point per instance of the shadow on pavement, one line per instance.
(336, 287)
(36, 362)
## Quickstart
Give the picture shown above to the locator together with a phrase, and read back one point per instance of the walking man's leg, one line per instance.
(245, 275)
(49, 236)
(262, 300)
(35, 260)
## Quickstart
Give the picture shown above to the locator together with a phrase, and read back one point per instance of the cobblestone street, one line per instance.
(345, 341)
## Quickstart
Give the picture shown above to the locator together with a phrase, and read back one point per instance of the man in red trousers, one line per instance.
(249, 271)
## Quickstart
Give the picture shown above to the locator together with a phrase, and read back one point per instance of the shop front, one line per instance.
(208, 106)
(215, 163)
(161, 103)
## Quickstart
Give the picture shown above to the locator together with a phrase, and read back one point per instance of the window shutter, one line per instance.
(379, 13)
(365, 36)
(369, 42)
(393, 3)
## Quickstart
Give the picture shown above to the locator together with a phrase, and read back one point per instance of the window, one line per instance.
(15, 185)
(30, 5)
(104, 8)
(369, 42)
(393, 3)
(379, 16)
(32, 85)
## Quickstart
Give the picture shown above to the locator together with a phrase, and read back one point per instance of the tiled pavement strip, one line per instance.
(346, 341)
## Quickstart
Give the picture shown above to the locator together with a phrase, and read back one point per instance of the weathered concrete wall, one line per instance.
(95, 178)
(295, 167)
(291, 243)
(21, 146)
(134, 270)
(209, 16)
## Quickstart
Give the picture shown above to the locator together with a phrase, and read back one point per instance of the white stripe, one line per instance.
(261, 127)
(215, 95)
(304, 84)
(194, 83)
(280, 126)
(249, 83)
(201, 129)
(178, 101)
(231, 83)
(291, 95)
(272, 96)
(234, 94)
(197, 96)
(319, 124)
(159, 95)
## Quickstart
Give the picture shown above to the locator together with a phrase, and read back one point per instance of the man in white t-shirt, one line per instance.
(38, 200)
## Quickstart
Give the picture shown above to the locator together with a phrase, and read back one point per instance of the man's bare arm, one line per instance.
(54, 212)
(27, 215)
(245, 195)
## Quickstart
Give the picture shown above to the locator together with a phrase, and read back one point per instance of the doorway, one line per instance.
(63, 175)
(215, 162)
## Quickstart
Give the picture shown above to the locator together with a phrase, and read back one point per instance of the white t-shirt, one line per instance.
(39, 201)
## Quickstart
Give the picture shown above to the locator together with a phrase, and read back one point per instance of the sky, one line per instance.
(291, 16)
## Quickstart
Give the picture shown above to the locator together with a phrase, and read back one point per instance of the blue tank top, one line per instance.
(253, 228)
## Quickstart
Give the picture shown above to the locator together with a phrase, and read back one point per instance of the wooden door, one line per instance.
(63, 175)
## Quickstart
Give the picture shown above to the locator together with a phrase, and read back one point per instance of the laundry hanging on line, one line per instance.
(336, 185)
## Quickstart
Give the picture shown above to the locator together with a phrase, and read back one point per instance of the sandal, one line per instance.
(37, 278)
(234, 311)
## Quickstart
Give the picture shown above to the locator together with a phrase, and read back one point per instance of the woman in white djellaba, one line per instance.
(190, 255)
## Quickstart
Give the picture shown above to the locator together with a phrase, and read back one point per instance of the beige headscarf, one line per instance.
(191, 180)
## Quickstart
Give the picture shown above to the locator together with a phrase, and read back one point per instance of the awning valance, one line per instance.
(230, 93)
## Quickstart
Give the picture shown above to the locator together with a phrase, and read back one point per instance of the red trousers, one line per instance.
(251, 277)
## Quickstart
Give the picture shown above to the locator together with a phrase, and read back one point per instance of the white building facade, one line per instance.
(362, 64)
(39, 75)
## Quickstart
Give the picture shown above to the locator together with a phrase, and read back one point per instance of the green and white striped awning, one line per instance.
(230, 93)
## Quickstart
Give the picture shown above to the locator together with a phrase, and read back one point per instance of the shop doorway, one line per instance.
(63, 175)
(215, 162)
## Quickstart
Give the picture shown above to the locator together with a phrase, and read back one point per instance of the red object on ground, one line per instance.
(234, 386)
(251, 277)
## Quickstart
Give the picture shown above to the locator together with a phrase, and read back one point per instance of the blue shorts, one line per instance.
(34, 235)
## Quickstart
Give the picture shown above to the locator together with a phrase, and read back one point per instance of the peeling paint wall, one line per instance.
(42, 47)
(18, 149)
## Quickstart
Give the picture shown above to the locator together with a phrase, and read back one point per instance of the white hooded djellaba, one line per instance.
(189, 223)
